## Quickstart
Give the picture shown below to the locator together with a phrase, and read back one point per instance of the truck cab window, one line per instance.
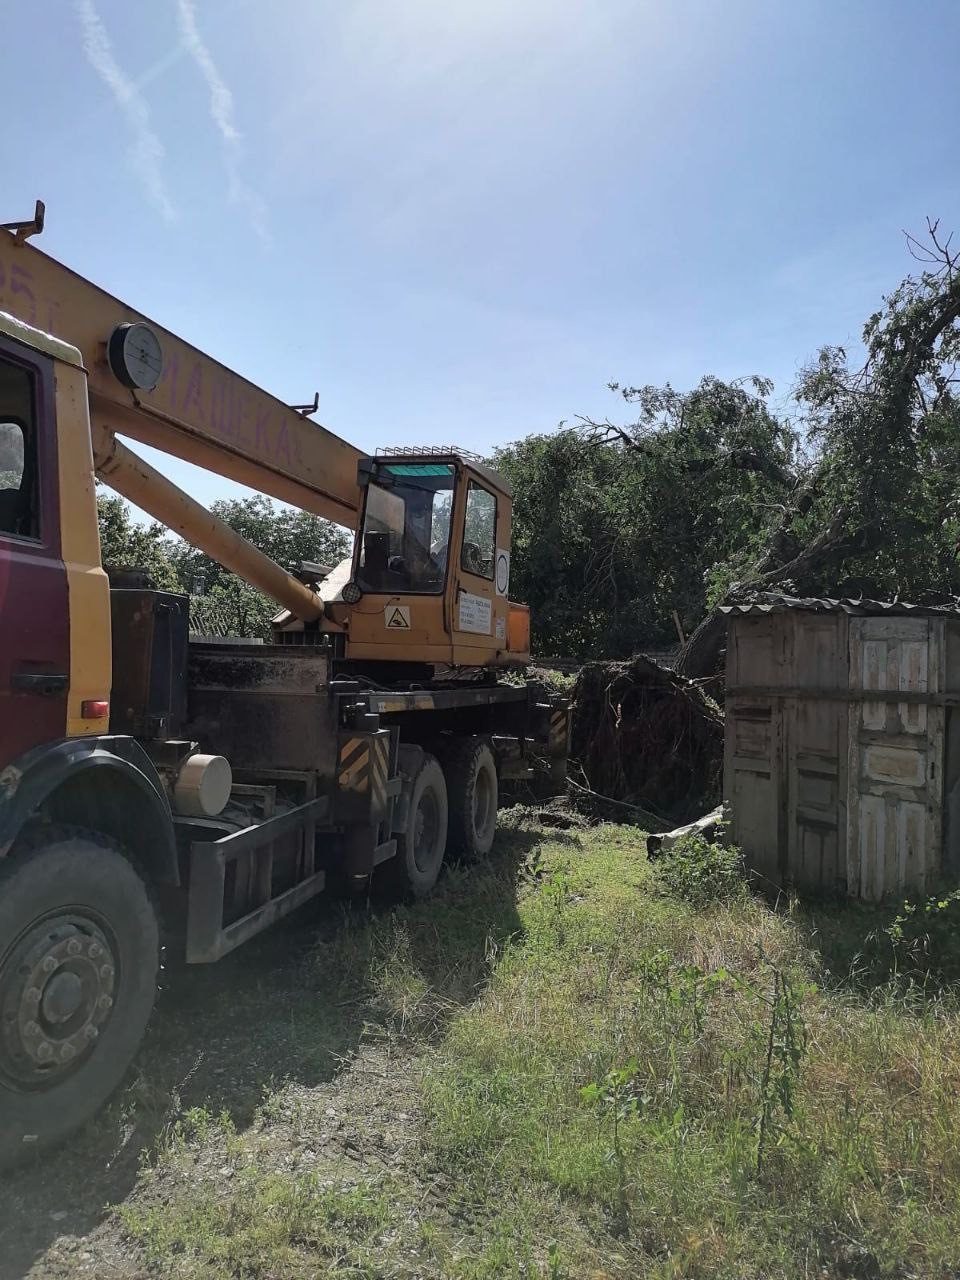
(479, 533)
(406, 528)
(18, 453)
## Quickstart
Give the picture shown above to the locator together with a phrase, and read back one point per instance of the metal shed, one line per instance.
(842, 743)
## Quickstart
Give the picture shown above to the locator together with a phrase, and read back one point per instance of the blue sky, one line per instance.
(459, 219)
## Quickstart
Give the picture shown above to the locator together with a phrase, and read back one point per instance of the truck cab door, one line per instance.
(479, 612)
(34, 610)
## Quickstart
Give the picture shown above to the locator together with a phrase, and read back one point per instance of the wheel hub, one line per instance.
(56, 996)
(62, 998)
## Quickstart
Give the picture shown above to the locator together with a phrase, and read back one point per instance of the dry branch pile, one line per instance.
(646, 736)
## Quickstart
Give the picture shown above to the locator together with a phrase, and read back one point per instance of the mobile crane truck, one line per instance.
(159, 790)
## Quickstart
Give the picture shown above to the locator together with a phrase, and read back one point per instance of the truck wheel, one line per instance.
(472, 786)
(79, 955)
(421, 846)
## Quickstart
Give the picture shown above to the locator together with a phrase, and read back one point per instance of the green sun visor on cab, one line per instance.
(417, 468)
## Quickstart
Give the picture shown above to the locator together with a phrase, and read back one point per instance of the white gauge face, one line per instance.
(136, 356)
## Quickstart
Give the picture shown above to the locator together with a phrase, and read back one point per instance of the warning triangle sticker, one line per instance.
(398, 620)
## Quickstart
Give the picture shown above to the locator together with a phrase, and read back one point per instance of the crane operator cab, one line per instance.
(430, 573)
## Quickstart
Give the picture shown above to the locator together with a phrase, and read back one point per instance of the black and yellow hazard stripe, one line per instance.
(379, 772)
(558, 731)
(353, 771)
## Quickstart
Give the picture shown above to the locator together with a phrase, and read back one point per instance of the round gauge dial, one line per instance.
(136, 356)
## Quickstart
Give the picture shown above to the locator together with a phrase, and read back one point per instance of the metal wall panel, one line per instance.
(816, 792)
(895, 755)
(785, 771)
(752, 782)
(828, 787)
(755, 652)
(815, 751)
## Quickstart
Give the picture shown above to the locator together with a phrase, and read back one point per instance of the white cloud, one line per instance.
(221, 113)
(147, 153)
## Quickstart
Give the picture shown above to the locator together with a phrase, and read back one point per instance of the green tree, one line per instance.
(617, 526)
(221, 603)
(706, 495)
(876, 509)
(574, 559)
(125, 544)
(232, 608)
(285, 534)
(224, 604)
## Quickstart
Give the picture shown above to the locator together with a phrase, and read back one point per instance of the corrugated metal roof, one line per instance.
(772, 602)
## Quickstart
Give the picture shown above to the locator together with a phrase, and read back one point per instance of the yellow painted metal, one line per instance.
(201, 411)
(435, 633)
(87, 586)
(208, 415)
(145, 486)
(518, 631)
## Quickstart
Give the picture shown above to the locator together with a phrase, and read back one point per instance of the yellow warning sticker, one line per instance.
(396, 617)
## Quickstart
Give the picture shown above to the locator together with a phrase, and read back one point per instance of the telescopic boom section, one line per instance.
(146, 487)
(199, 410)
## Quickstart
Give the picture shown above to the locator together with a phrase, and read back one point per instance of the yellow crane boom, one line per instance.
(130, 475)
(199, 411)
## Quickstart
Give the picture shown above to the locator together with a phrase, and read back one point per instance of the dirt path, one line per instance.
(303, 1080)
(348, 1131)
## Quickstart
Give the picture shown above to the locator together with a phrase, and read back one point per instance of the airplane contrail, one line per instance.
(221, 99)
(221, 113)
(147, 151)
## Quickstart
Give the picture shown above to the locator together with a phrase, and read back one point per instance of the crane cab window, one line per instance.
(406, 529)
(479, 533)
(18, 454)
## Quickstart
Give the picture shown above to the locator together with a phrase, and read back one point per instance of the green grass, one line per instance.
(265, 1224)
(619, 1082)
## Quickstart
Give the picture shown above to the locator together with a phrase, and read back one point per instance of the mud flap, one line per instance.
(367, 789)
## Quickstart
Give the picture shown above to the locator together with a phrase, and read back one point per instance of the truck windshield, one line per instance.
(406, 528)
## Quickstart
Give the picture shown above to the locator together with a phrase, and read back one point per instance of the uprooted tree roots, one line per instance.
(645, 736)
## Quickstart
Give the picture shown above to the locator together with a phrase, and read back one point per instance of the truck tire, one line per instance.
(471, 775)
(421, 845)
(79, 956)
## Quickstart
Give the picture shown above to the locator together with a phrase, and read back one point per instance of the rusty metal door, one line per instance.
(894, 815)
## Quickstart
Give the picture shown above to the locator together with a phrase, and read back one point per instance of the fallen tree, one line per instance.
(646, 737)
(875, 511)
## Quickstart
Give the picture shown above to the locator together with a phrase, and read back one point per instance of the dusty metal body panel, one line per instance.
(836, 773)
(263, 706)
(149, 691)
